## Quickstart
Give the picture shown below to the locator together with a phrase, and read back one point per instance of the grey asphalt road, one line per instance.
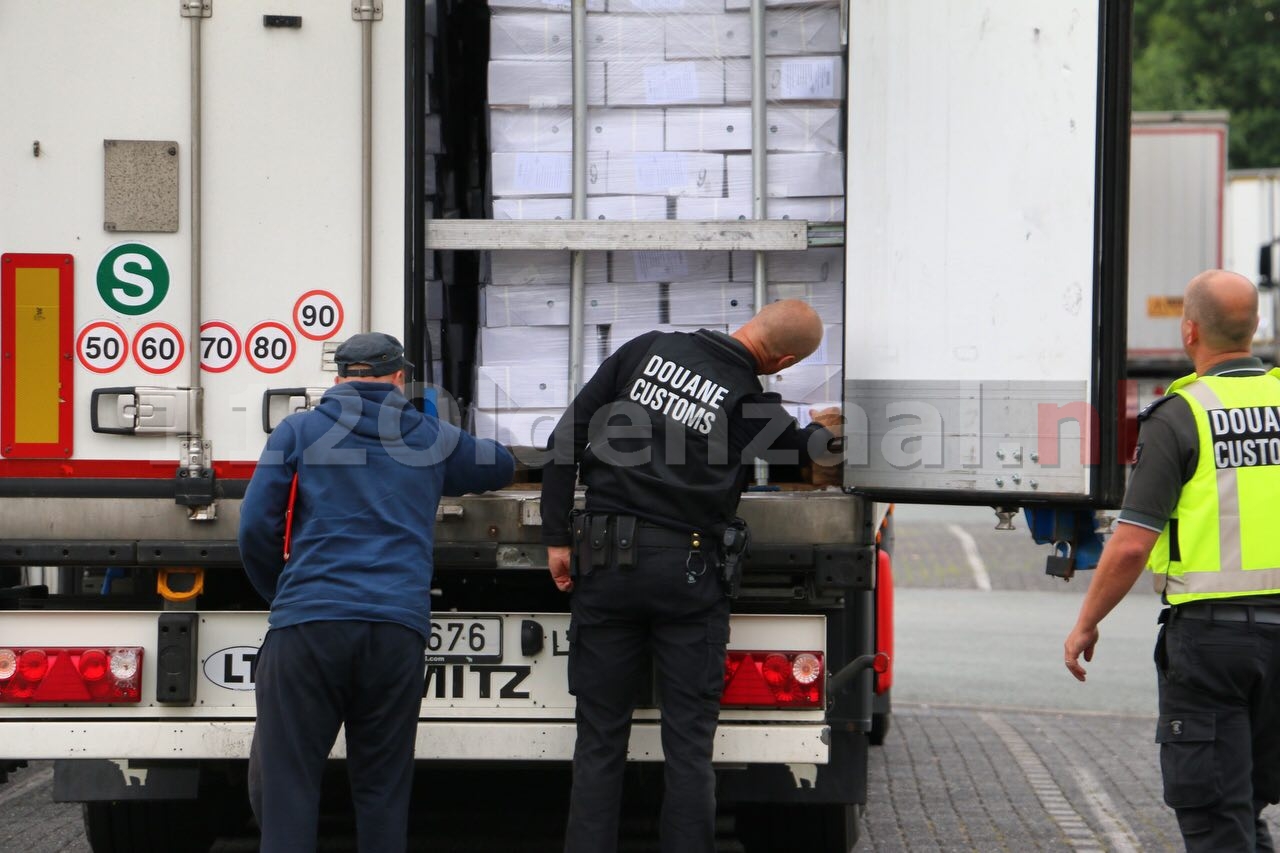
(993, 747)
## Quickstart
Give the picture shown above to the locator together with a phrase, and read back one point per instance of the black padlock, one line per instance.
(1061, 565)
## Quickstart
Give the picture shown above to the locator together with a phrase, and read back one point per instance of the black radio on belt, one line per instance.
(734, 545)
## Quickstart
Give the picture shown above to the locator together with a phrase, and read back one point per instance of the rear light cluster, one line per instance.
(773, 679)
(47, 675)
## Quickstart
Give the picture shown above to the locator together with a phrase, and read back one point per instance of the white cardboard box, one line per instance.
(530, 173)
(666, 173)
(827, 298)
(789, 175)
(708, 36)
(549, 35)
(729, 129)
(808, 383)
(518, 266)
(830, 351)
(624, 207)
(805, 266)
(666, 7)
(719, 303)
(802, 31)
(530, 35)
(524, 345)
(520, 129)
(746, 4)
(545, 5)
(529, 386)
(669, 266)
(799, 78)
(525, 305)
(608, 129)
(659, 83)
(637, 303)
(541, 85)
(713, 208)
(620, 333)
(810, 209)
(516, 427)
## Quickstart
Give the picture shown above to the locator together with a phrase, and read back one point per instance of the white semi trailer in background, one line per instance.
(198, 200)
(1177, 190)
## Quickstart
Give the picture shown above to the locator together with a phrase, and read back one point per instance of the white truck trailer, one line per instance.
(201, 199)
(1177, 192)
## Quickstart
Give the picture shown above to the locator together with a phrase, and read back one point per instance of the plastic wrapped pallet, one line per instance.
(669, 135)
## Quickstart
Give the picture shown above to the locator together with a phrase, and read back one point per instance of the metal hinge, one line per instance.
(445, 512)
(196, 8)
(367, 11)
(140, 410)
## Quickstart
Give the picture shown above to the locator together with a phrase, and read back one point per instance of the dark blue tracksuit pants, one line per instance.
(311, 679)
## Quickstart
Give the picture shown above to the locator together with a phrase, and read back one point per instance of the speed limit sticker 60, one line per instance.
(158, 348)
(102, 346)
(317, 315)
(270, 346)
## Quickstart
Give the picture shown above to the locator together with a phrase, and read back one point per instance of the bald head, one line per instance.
(783, 333)
(1224, 308)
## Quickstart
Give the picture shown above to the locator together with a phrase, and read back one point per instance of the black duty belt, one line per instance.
(656, 536)
(1260, 614)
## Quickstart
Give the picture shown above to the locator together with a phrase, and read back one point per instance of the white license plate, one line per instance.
(465, 639)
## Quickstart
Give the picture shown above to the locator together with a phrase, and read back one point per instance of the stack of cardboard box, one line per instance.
(669, 137)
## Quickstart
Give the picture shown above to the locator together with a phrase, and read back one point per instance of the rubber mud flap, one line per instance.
(1188, 760)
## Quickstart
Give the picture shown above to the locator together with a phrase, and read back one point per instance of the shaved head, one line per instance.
(783, 333)
(1224, 305)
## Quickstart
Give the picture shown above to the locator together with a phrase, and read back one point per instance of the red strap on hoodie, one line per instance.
(288, 515)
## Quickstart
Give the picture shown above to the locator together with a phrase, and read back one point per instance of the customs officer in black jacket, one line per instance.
(664, 436)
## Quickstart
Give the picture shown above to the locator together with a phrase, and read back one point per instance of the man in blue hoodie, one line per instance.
(348, 579)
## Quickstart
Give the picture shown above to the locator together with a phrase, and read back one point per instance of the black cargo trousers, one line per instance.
(656, 596)
(1219, 728)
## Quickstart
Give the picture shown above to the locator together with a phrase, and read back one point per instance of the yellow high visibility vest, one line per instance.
(1223, 539)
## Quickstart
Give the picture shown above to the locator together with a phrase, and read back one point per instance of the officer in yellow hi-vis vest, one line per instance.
(1202, 511)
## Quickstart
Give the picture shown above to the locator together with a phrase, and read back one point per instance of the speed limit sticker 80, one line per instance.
(158, 348)
(270, 347)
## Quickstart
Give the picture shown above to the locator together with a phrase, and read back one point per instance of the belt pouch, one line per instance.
(624, 540)
(578, 529)
(599, 541)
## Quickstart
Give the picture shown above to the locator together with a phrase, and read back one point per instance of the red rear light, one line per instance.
(60, 675)
(773, 679)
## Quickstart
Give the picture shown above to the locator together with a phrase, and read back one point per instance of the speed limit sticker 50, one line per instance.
(158, 348)
(102, 346)
(270, 346)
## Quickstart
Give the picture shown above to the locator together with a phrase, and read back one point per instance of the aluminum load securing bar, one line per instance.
(595, 235)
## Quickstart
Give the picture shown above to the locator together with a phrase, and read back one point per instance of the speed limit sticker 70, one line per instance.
(317, 315)
(219, 346)
(158, 348)
(270, 346)
(102, 346)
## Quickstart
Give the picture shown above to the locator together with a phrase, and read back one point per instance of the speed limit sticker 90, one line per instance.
(102, 347)
(219, 346)
(270, 346)
(317, 315)
(158, 348)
